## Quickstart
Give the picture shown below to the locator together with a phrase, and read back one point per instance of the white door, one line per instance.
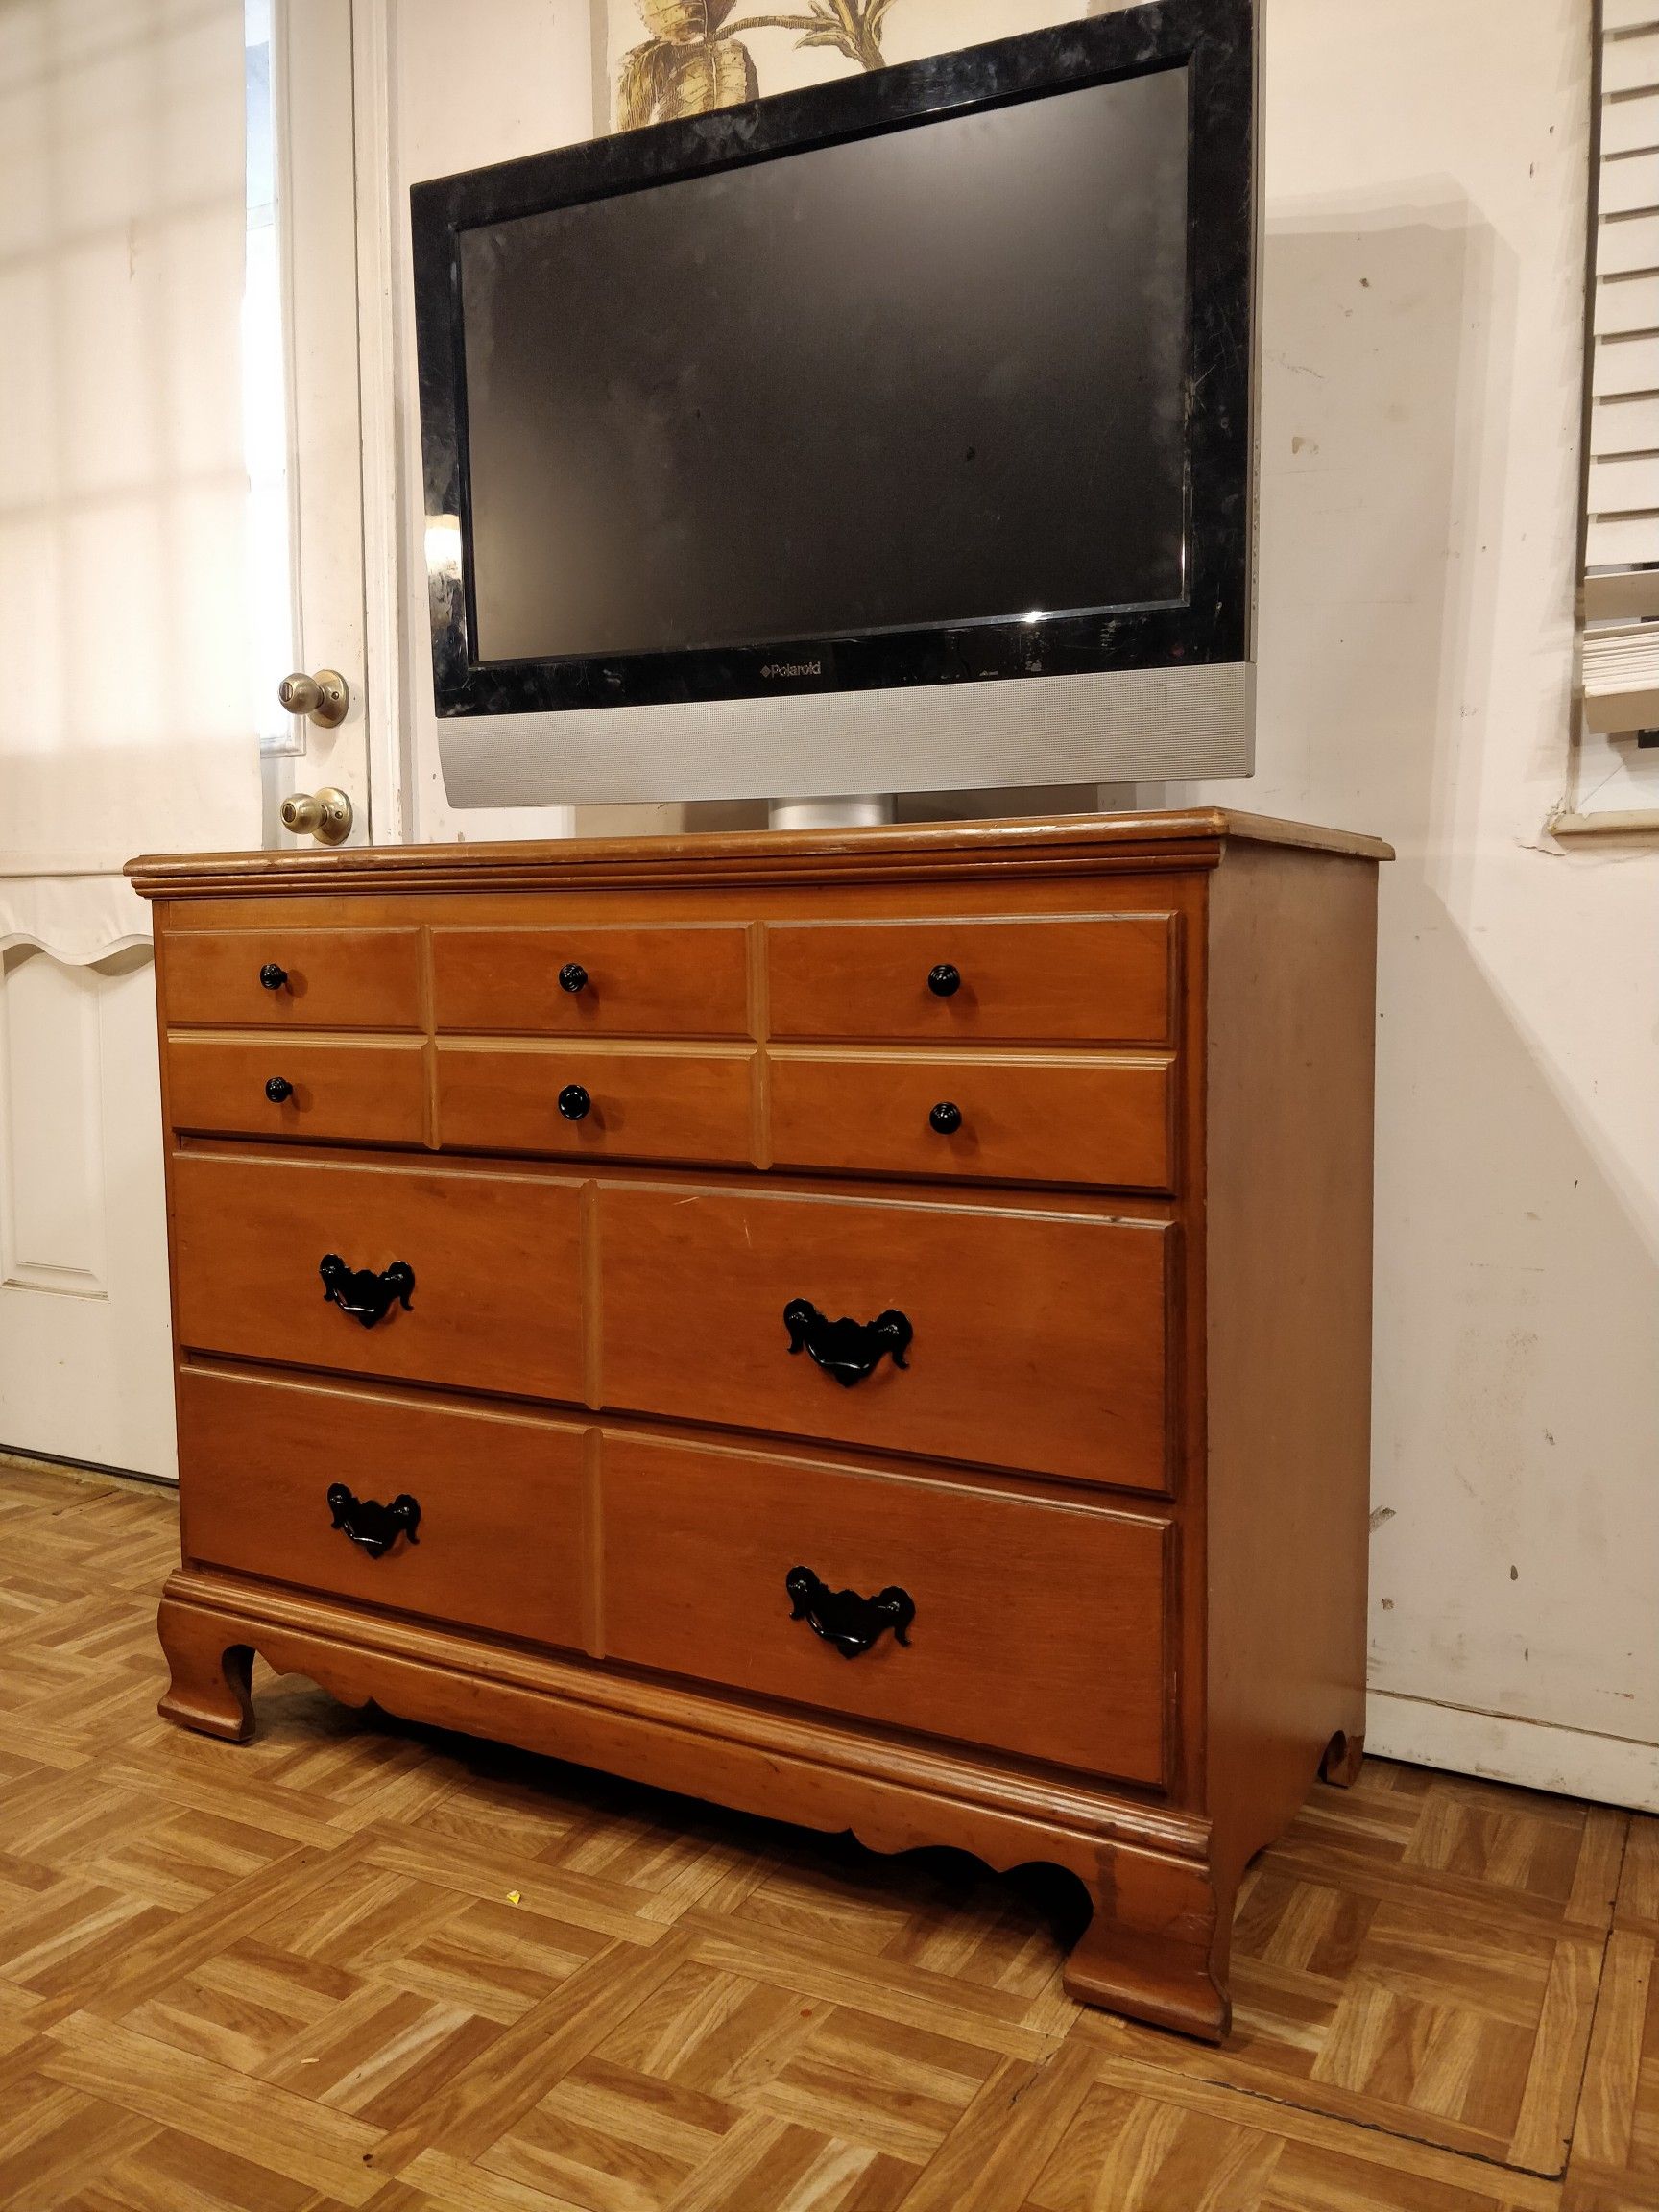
(180, 526)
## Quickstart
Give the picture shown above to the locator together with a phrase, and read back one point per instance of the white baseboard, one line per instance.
(1538, 1755)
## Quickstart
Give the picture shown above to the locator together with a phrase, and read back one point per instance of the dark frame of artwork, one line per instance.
(1211, 624)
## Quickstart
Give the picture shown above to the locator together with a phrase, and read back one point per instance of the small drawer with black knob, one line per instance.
(427, 1275)
(1082, 1117)
(302, 1088)
(1006, 1336)
(1097, 980)
(599, 1100)
(294, 978)
(1034, 1626)
(588, 980)
(472, 1517)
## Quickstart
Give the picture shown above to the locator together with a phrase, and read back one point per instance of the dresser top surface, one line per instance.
(1063, 844)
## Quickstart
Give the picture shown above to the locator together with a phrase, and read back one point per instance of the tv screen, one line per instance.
(925, 378)
(934, 381)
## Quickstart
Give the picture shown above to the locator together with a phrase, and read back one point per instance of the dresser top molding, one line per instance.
(1082, 844)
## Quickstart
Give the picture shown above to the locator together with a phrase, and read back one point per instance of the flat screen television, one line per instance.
(895, 433)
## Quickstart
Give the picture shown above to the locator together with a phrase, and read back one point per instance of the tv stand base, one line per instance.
(864, 812)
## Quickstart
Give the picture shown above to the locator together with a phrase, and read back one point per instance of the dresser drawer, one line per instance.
(295, 979)
(583, 981)
(1081, 1118)
(1035, 1340)
(1037, 1627)
(310, 1088)
(1107, 979)
(597, 1102)
(493, 1538)
(497, 1298)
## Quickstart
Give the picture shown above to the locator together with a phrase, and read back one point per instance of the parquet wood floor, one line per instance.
(358, 1963)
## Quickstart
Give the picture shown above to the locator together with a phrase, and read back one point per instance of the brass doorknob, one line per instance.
(325, 815)
(323, 698)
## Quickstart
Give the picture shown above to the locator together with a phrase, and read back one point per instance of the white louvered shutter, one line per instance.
(1621, 598)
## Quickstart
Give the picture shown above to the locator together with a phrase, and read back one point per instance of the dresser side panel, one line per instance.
(1291, 1017)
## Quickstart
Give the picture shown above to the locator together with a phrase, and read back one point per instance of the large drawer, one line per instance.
(1014, 1117)
(492, 1539)
(597, 1101)
(1099, 979)
(1035, 1340)
(497, 1298)
(581, 980)
(319, 1089)
(295, 979)
(1037, 1627)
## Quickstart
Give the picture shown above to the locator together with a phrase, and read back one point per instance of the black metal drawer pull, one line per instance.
(945, 1117)
(944, 980)
(844, 1619)
(359, 1291)
(572, 977)
(273, 978)
(371, 1527)
(849, 1350)
(277, 1088)
(575, 1103)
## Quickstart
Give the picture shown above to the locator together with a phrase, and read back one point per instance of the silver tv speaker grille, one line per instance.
(1130, 726)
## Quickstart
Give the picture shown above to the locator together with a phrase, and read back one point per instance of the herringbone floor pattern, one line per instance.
(357, 1964)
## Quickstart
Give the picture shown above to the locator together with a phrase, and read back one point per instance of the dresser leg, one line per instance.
(1157, 1948)
(209, 1691)
(1343, 1757)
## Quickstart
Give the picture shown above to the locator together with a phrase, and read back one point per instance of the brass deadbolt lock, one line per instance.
(325, 815)
(323, 698)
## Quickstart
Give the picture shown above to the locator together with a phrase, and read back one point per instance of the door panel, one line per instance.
(82, 1217)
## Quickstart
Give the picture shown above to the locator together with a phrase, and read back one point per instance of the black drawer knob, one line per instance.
(366, 1296)
(273, 978)
(848, 1350)
(945, 1117)
(574, 1102)
(944, 980)
(843, 1617)
(371, 1527)
(277, 1088)
(572, 977)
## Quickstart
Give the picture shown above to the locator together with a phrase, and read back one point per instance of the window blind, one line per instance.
(1621, 543)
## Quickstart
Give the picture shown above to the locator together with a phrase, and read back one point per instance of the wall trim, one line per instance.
(1499, 1747)
(32, 1461)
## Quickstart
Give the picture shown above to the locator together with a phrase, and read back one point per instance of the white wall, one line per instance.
(1423, 348)
(518, 80)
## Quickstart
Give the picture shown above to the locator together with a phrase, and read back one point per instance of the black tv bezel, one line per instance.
(1215, 40)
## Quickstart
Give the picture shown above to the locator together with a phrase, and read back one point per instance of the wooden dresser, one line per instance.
(870, 1327)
